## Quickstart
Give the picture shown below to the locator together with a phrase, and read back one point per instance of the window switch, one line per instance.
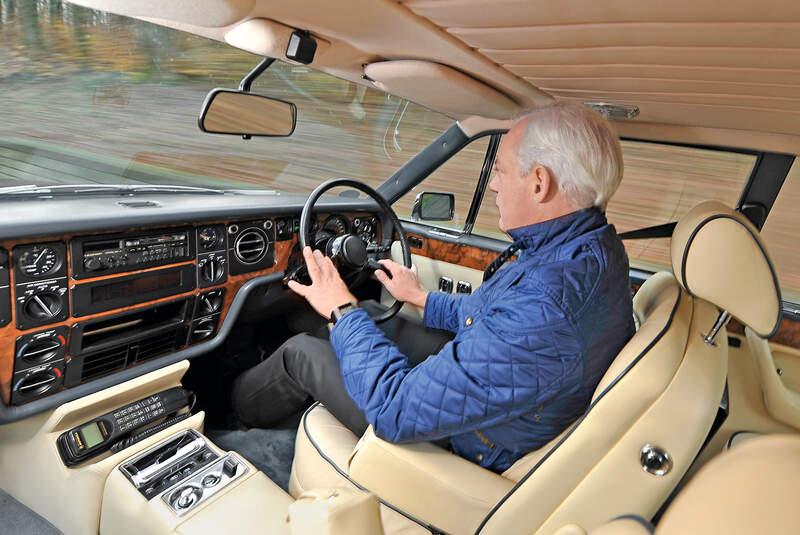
(229, 467)
(463, 287)
(446, 285)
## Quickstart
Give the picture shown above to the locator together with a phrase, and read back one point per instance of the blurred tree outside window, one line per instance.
(91, 97)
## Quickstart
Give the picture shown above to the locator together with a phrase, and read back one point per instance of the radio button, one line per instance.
(92, 264)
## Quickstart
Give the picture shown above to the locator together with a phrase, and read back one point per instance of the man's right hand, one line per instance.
(404, 284)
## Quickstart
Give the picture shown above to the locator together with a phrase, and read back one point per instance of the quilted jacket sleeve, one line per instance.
(441, 311)
(497, 369)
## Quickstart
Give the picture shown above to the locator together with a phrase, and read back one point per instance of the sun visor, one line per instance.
(205, 13)
(440, 88)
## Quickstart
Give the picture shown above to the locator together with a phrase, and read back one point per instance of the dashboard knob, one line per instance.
(42, 306)
(203, 329)
(92, 264)
(210, 302)
(212, 270)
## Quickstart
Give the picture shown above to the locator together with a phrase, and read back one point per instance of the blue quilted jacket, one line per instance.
(531, 344)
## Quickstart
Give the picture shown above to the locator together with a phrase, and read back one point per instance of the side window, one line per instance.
(662, 182)
(780, 235)
(458, 175)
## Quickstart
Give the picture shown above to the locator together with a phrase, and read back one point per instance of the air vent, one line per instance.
(103, 362)
(156, 345)
(250, 246)
(122, 356)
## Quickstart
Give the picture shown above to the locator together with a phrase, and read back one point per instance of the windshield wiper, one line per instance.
(33, 190)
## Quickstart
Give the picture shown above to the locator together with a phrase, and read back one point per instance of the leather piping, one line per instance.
(763, 252)
(642, 522)
(434, 530)
(575, 425)
(736, 434)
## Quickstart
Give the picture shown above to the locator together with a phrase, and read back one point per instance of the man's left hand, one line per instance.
(327, 290)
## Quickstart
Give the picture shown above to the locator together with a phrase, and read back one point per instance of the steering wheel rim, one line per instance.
(305, 226)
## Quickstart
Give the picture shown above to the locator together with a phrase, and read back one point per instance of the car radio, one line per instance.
(114, 253)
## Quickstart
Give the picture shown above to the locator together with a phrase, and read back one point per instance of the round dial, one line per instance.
(43, 306)
(210, 302)
(203, 329)
(208, 237)
(336, 224)
(39, 260)
(211, 269)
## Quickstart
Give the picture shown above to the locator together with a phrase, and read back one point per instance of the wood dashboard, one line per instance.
(68, 322)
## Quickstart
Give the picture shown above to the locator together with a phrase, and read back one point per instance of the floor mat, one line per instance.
(269, 450)
(19, 520)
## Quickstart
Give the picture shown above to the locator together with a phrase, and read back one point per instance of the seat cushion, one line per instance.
(322, 453)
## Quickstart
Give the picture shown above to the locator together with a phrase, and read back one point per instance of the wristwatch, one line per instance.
(338, 312)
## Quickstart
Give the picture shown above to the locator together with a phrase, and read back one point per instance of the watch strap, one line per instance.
(338, 312)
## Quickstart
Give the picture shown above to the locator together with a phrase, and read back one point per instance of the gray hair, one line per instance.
(579, 148)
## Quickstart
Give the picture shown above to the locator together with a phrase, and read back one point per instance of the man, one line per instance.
(531, 344)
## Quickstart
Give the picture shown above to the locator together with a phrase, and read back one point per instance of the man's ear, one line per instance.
(543, 184)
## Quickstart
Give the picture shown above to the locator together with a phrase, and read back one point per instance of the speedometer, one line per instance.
(336, 224)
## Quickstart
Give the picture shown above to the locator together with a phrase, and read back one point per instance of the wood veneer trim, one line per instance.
(454, 253)
(10, 333)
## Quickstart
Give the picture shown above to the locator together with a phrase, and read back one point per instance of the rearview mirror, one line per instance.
(434, 206)
(226, 111)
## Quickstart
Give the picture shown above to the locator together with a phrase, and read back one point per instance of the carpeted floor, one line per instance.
(19, 520)
(270, 450)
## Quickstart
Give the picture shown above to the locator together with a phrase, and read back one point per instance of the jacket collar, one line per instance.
(555, 232)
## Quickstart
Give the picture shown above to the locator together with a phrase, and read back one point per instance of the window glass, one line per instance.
(780, 235)
(663, 182)
(458, 175)
(660, 184)
(91, 97)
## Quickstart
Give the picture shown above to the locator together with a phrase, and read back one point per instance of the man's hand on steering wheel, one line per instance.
(327, 289)
(404, 284)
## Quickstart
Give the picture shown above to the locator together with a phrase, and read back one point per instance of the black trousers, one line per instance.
(305, 368)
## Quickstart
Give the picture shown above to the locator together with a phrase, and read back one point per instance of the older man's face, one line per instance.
(514, 192)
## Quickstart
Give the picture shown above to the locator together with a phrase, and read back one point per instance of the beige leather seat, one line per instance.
(750, 489)
(659, 396)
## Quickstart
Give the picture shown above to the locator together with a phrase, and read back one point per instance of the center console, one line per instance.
(186, 485)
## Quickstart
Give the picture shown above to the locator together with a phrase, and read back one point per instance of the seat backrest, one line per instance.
(660, 395)
(750, 489)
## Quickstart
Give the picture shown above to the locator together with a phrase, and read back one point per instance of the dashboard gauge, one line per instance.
(336, 224)
(208, 237)
(366, 228)
(39, 260)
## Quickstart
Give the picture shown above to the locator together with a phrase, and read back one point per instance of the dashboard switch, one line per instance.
(229, 467)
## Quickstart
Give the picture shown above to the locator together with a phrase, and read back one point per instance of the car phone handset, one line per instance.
(107, 431)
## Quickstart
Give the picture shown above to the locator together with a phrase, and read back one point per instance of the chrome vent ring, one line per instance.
(250, 246)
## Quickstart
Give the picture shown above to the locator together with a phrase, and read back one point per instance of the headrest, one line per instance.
(718, 255)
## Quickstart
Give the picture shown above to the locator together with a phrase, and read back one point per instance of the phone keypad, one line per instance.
(139, 413)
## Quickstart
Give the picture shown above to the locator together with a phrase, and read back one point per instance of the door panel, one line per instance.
(444, 254)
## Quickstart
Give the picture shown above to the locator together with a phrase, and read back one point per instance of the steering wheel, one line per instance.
(347, 250)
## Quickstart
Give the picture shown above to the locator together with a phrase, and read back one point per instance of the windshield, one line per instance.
(94, 98)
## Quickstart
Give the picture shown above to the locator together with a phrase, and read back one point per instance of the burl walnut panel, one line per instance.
(454, 253)
(788, 333)
(10, 333)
